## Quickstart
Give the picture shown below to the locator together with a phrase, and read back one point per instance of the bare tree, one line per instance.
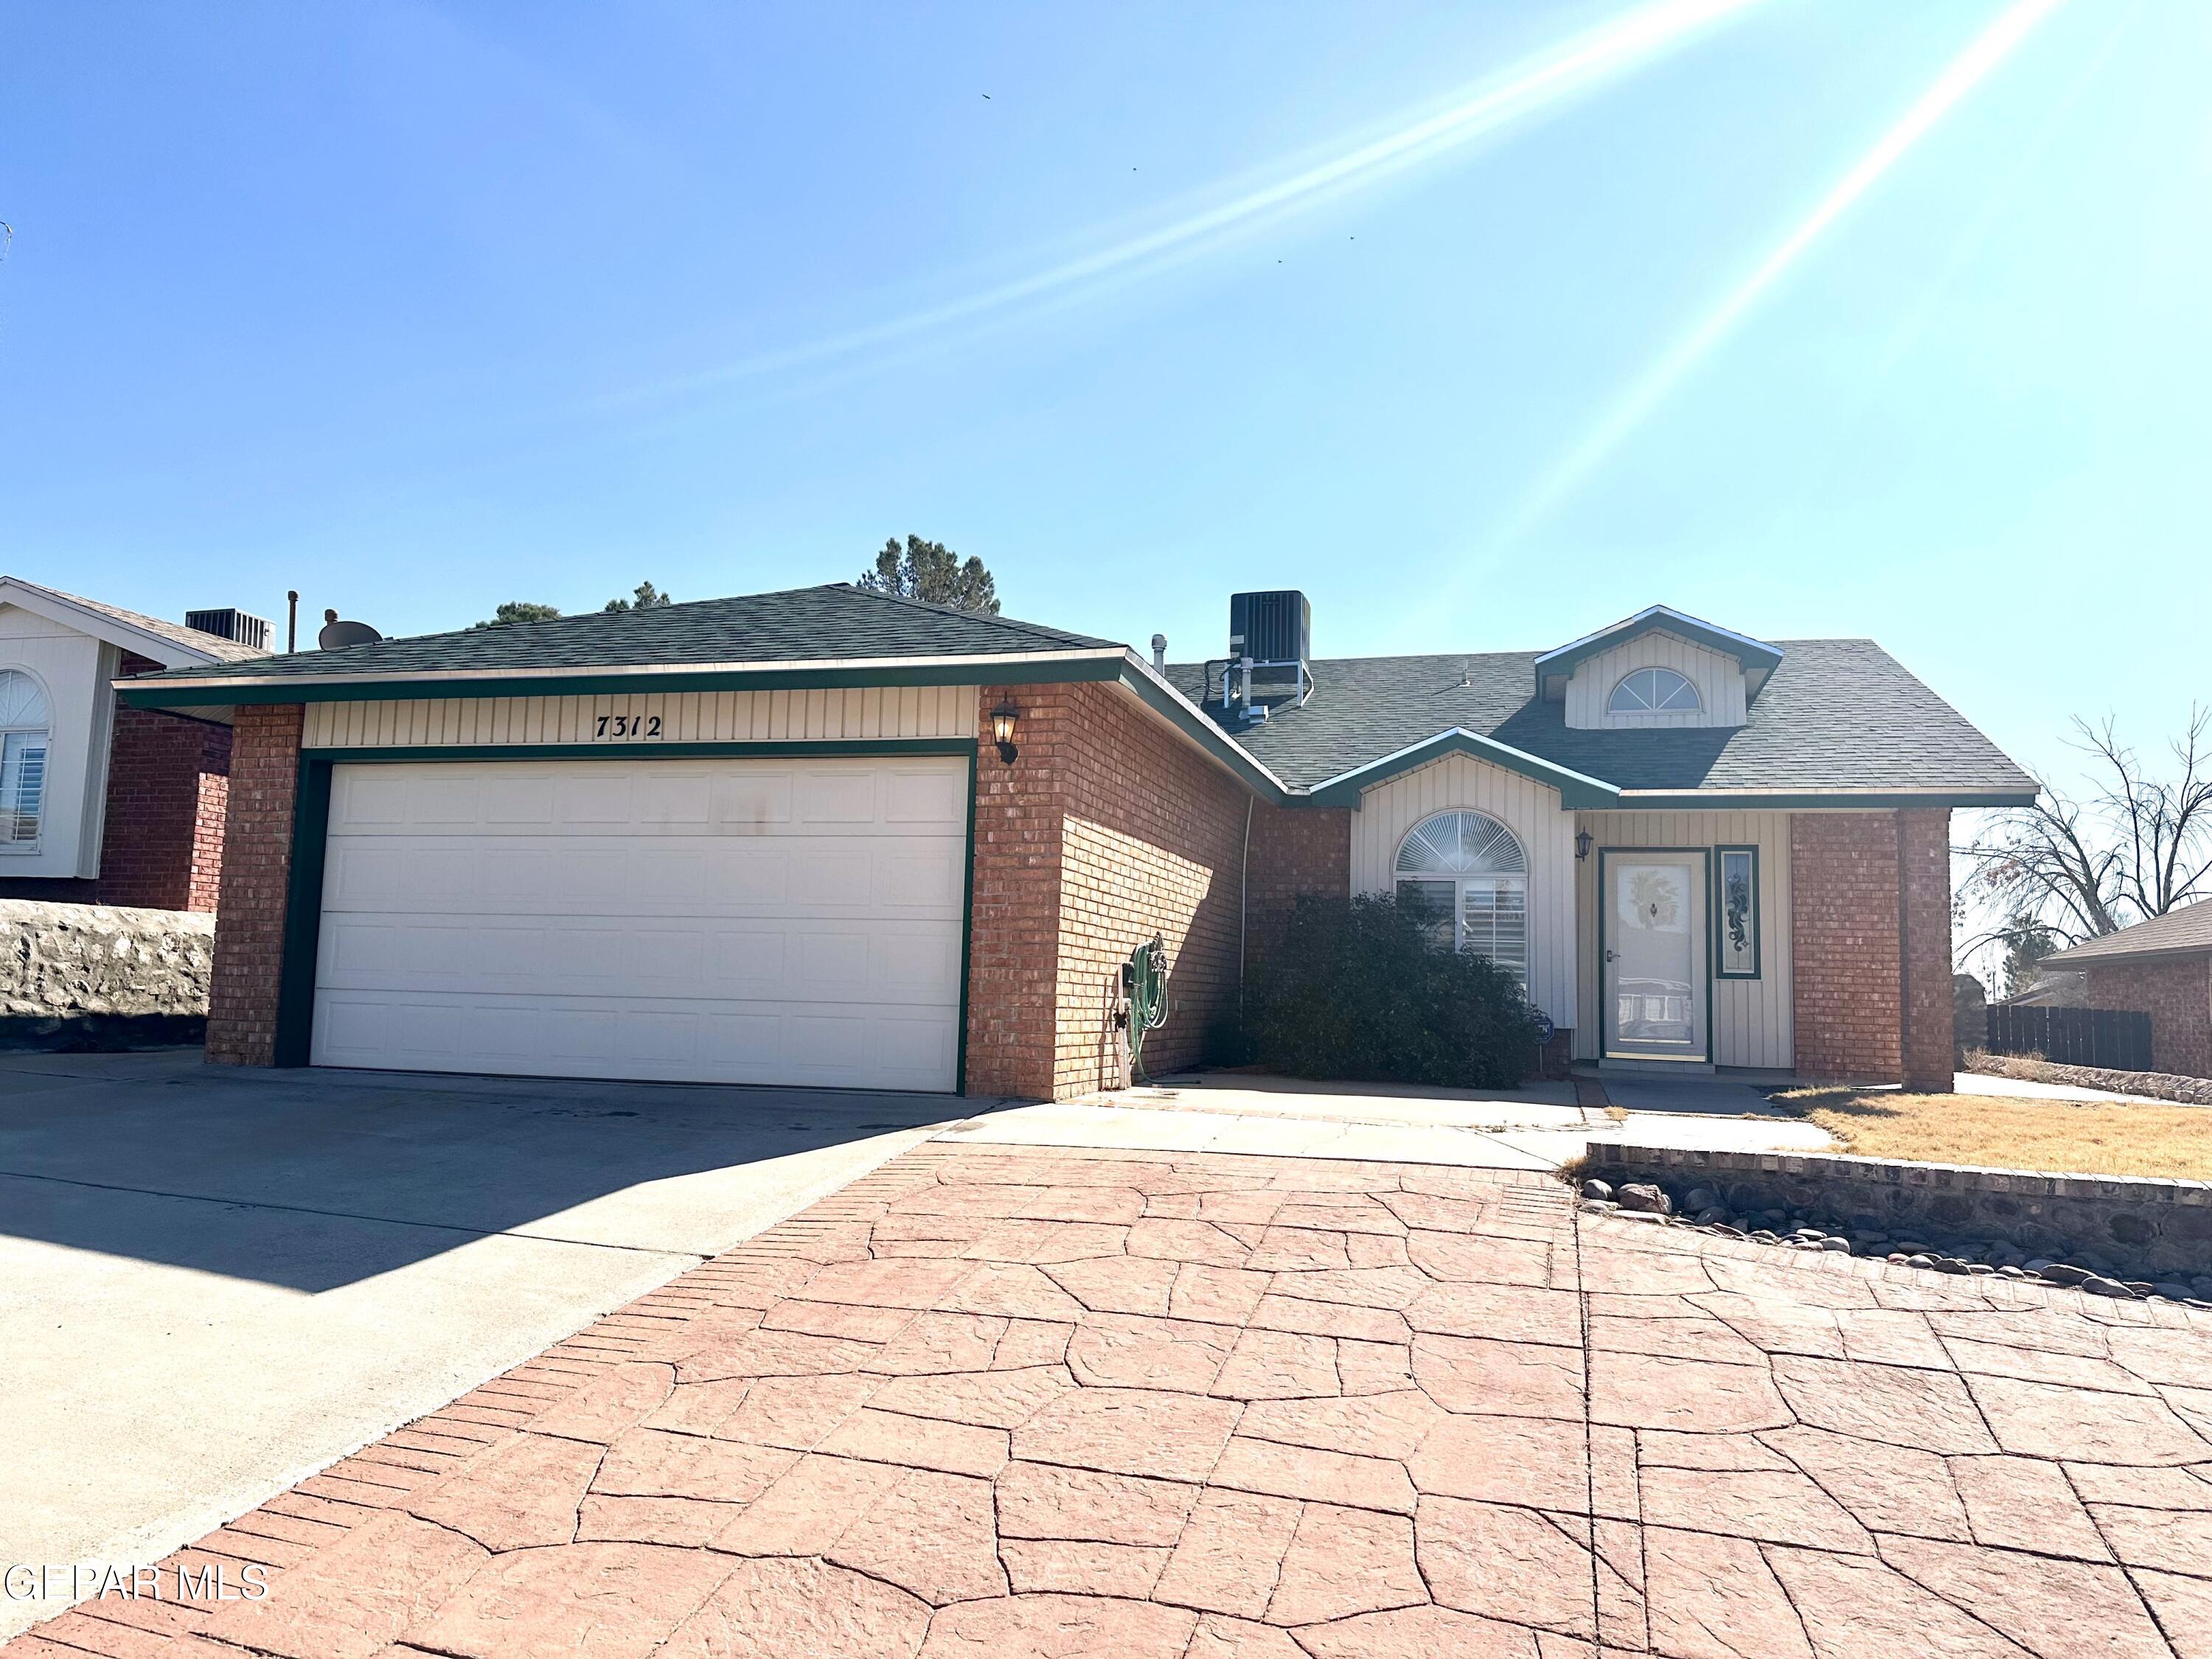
(2071, 868)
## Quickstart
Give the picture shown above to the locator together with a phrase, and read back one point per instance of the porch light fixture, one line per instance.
(1002, 731)
(1583, 842)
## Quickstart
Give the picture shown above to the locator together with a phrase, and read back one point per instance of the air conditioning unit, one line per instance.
(231, 625)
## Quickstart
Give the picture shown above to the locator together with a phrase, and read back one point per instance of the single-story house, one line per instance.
(2162, 967)
(830, 838)
(100, 803)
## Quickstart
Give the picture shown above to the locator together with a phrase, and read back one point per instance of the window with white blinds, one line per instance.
(23, 718)
(1466, 872)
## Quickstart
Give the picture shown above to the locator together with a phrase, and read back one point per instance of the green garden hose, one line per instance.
(1145, 982)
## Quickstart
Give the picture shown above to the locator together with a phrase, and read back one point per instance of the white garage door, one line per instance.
(698, 921)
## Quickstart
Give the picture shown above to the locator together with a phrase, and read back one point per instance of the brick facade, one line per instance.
(160, 846)
(1296, 852)
(1923, 839)
(1107, 829)
(249, 941)
(168, 782)
(1871, 917)
(2177, 994)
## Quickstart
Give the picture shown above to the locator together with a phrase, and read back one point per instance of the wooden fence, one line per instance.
(2114, 1038)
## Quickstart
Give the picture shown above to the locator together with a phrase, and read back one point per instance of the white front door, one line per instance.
(708, 920)
(1655, 955)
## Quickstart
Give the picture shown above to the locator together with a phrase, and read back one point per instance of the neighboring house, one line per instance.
(100, 804)
(830, 838)
(2163, 968)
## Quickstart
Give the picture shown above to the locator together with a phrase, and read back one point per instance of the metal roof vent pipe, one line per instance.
(1160, 655)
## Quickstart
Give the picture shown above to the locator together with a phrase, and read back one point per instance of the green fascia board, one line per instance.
(1753, 654)
(151, 692)
(544, 752)
(1736, 801)
(1576, 790)
(1165, 699)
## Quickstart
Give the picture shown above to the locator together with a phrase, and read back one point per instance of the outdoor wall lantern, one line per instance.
(1583, 842)
(1002, 731)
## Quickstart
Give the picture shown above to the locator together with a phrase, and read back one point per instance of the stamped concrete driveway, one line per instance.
(1007, 1401)
(213, 1282)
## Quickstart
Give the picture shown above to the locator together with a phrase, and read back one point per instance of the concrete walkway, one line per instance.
(214, 1282)
(1538, 1127)
(1004, 1402)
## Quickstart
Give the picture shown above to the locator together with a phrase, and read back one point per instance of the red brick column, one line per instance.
(1013, 927)
(1923, 859)
(2177, 994)
(1847, 978)
(249, 936)
(161, 835)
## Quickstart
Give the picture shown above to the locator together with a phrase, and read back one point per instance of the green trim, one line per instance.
(1576, 790)
(1704, 855)
(966, 931)
(650, 750)
(151, 693)
(1723, 800)
(1208, 736)
(303, 913)
(311, 820)
(1719, 907)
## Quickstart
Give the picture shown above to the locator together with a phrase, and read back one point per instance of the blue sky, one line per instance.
(420, 308)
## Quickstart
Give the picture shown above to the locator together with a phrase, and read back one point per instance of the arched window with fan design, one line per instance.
(25, 722)
(1466, 874)
(1654, 691)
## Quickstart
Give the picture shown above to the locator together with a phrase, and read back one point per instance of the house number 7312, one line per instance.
(628, 725)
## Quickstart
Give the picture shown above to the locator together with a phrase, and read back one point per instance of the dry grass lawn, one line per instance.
(2053, 1136)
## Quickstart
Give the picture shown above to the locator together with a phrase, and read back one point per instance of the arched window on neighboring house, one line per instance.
(24, 723)
(1653, 691)
(1466, 873)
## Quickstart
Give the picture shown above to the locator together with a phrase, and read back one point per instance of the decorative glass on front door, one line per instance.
(1654, 963)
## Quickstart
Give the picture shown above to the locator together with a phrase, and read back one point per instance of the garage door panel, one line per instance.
(918, 797)
(757, 802)
(574, 1038)
(727, 921)
(837, 796)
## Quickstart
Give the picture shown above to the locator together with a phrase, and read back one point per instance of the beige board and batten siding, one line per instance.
(1750, 1017)
(852, 714)
(1718, 678)
(1530, 809)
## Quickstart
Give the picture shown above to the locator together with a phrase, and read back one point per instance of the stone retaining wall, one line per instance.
(96, 975)
(2162, 1085)
(2148, 1229)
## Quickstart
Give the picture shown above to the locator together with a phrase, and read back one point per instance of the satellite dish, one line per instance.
(337, 636)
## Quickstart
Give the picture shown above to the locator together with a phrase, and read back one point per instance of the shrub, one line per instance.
(1360, 990)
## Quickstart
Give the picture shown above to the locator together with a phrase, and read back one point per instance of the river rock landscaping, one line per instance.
(1792, 1227)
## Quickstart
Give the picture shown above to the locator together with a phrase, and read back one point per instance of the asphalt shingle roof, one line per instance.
(2189, 929)
(214, 645)
(802, 624)
(1836, 714)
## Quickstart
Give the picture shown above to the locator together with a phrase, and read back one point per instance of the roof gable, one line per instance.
(2185, 932)
(170, 644)
(1757, 659)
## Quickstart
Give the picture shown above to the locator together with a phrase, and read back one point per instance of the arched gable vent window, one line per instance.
(1654, 691)
(24, 722)
(1465, 874)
